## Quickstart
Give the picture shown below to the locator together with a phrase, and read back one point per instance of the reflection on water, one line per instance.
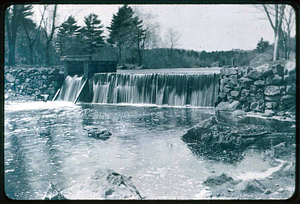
(48, 143)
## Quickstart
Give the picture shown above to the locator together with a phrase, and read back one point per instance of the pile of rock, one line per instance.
(267, 89)
(34, 82)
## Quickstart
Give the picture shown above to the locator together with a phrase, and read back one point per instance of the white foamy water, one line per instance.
(263, 174)
(38, 105)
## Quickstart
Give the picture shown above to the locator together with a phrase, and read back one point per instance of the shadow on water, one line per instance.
(16, 183)
(51, 154)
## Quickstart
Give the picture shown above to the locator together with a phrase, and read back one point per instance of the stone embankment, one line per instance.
(266, 89)
(32, 83)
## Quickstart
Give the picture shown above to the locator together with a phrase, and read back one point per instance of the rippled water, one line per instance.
(46, 142)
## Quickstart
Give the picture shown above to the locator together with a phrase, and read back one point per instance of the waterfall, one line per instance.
(172, 89)
(70, 88)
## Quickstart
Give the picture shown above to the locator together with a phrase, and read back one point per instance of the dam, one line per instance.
(172, 89)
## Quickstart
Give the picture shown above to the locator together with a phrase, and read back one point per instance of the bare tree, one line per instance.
(32, 33)
(13, 16)
(277, 12)
(287, 26)
(172, 38)
(150, 38)
(49, 27)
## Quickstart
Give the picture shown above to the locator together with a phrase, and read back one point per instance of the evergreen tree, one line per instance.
(262, 45)
(125, 31)
(91, 34)
(66, 36)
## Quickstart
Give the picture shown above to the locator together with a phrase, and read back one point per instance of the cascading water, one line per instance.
(70, 88)
(172, 89)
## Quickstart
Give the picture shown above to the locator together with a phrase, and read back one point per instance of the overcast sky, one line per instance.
(202, 27)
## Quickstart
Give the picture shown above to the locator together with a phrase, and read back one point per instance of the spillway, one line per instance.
(70, 88)
(173, 89)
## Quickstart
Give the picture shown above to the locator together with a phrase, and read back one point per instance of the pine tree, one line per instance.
(262, 45)
(66, 36)
(125, 31)
(91, 34)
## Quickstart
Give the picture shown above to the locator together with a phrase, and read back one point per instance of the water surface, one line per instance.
(46, 142)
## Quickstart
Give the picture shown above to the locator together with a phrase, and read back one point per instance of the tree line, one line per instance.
(125, 33)
(133, 35)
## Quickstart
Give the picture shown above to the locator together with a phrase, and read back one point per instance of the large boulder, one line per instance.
(203, 127)
(104, 184)
(260, 59)
(215, 139)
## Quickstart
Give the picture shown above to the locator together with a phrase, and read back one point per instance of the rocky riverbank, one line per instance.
(223, 140)
(216, 139)
(278, 182)
(32, 83)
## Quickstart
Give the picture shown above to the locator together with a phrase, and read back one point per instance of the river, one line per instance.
(46, 142)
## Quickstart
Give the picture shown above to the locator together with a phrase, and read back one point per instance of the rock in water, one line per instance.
(97, 133)
(104, 184)
(53, 193)
(217, 180)
(212, 136)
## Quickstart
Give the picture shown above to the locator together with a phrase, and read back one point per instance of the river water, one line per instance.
(46, 142)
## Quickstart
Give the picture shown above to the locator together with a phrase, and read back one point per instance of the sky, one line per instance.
(201, 27)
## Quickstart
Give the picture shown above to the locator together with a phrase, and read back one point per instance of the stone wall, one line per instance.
(32, 83)
(267, 89)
